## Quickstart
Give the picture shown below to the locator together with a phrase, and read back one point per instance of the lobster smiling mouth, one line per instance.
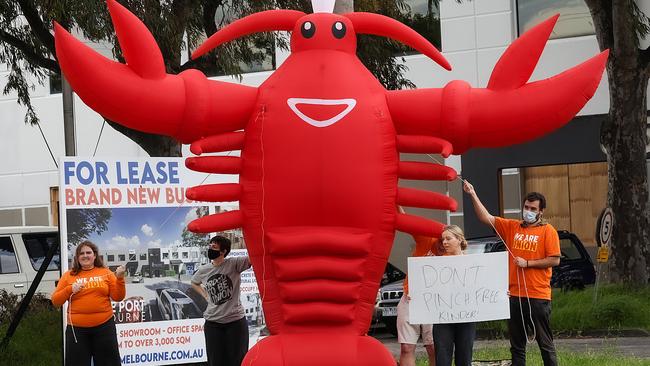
(349, 103)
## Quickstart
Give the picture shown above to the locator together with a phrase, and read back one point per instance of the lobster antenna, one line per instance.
(323, 6)
(265, 21)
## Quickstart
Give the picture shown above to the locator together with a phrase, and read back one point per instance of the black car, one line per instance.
(576, 270)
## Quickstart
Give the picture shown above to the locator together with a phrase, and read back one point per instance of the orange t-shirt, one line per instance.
(532, 242)
(424, 246)
(91, 306)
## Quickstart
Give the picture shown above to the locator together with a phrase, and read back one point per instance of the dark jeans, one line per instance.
(226, 344)
(97, 343)
(460, 335)
(541, 316)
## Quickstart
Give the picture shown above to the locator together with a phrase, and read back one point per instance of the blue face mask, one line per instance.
(529, 217)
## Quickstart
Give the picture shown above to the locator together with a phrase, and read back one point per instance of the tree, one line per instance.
(619, 25)
(83, 222)
(27, 46)
(190, 239)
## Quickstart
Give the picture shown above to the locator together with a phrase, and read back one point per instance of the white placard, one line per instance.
(458, 289)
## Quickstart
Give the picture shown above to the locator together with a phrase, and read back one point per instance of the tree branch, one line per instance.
(28, 52)
(601, 14)
(154, 145)
(209, 11)
(36, 24)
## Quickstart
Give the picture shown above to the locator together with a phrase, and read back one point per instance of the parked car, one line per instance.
(576, 270)
(173, 304)
(389, 294)
(136, 278)
(22, 251)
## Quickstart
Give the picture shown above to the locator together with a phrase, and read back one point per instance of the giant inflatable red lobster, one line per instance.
(320, 142)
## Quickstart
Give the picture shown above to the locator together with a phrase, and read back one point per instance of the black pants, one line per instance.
(226, 344)
(97, 343)
(540, 312)
(460, 335)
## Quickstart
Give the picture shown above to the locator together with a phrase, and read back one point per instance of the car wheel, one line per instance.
(391, 325)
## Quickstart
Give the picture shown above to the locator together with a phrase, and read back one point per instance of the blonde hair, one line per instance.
(456, 231)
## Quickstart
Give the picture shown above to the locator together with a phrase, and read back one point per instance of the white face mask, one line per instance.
(529, 217)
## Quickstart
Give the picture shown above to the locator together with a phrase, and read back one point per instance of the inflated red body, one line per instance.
(319, 168)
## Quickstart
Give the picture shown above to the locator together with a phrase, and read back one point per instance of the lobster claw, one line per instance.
(139, 95)
(510, 110)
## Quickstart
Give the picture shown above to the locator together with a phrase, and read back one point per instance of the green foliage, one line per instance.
(83, 222)
(9, 303)
(190, 239)
(40, 329)
(641, 21)
(600, 357)
(618, 307)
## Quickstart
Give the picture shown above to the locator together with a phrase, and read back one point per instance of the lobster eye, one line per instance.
(338, 30)
(308, 29)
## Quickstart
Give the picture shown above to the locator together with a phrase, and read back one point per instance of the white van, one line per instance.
(22, 250)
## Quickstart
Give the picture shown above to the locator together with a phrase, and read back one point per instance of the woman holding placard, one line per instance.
(457, 335)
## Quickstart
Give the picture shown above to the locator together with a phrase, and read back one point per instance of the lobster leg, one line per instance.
(416, 225)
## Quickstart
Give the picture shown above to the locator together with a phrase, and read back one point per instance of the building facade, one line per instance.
(473, 35)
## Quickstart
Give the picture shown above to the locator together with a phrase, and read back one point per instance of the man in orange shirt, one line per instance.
(536, 249)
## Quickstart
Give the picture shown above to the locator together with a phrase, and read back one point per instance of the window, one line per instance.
(37, 216)
(132, 257)
(175, 255)
(55, 84)
(143, 256)
(12, 217)
(111, 257)
(575, 19)
(569, 250)
(165, 255)
(38, 245)
(8, 262)
(121, 257)
(423, 19)
(185, 255)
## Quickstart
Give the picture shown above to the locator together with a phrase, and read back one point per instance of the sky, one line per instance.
(139, 228)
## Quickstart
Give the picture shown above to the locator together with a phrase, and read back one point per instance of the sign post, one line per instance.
(603, 237)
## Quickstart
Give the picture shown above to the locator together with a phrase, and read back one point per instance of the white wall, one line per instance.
(474, 34)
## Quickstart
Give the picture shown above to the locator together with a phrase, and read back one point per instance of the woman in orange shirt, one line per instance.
(89, 287)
